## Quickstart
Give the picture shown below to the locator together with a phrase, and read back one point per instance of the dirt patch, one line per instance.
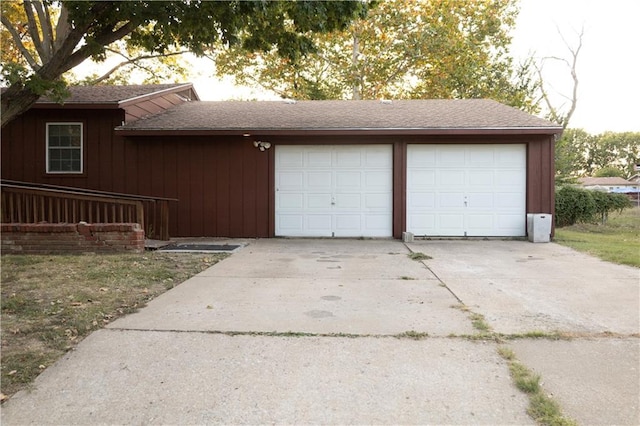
(51, 302)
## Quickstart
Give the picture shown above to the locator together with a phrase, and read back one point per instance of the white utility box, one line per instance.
(539, 227)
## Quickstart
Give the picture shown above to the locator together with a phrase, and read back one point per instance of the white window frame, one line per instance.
(48, 148)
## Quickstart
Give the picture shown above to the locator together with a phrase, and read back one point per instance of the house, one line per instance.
(310, 168)
(608, 184)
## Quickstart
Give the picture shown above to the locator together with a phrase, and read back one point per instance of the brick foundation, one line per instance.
(71, 238)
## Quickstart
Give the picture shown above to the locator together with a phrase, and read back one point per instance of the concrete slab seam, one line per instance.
(436, 275)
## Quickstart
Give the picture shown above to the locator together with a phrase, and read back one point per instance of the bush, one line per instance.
(575, 205)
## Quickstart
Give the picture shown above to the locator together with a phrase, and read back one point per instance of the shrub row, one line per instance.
(574, 205)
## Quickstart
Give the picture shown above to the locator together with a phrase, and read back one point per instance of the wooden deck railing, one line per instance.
(33, 203)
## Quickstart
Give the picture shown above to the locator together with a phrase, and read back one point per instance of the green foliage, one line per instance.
(609, 171)
(400, 49)
(89, 27)
(574, 205)
(579, 153)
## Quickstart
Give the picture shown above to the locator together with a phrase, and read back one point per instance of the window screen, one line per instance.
(64, 147)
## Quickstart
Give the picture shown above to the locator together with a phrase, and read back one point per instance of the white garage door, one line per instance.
(334, 190)
(466, 190)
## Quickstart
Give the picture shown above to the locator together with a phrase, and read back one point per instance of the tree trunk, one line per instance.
(15, 101)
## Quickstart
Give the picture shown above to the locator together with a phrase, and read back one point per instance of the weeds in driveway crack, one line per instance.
(418, 256)
(542, 408)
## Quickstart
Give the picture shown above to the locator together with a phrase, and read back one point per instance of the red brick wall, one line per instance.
(71, 238)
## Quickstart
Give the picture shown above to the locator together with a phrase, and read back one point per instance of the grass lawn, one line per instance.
(51, 302)
(617, 241)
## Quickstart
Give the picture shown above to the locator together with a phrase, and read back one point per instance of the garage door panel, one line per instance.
(421, 200)
(478, 190)
(346, 222)
(317, 224)
(509, 222)
(292, 159)
(422, 221)
(448, 178)
(319, 180)
(508, 201)
(378, 222)
(348, 180)
(509, 177)
(378, 180)
(318, 201)
(481, 201)
(377, 201)
(450, 199)
(481, 177)
(348, 201)
(378, 157)
(509, 156)
(347, 190)
(450, 156)
(479, 223)
(291, 201)
(421, 178)
(450, 223)
(291, 180)
(423, 158)
(291, 222)
(479, 158)
(318, 158)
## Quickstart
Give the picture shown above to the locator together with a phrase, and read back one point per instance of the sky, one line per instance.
(608, 67)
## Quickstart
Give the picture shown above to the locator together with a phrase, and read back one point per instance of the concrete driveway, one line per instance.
(322, 331)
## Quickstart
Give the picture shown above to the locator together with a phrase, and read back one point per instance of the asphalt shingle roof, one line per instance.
(109, 94)
(604, 181)
(341, 115)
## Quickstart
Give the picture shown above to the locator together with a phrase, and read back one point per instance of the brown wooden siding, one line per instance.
(224, 185)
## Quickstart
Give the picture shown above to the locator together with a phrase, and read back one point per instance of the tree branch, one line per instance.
(133, 61)
(34, 31)
(63, 28)
(45, 26)
(18, 41)
(77, 57)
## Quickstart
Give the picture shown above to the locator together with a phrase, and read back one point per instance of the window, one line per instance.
(64, 147)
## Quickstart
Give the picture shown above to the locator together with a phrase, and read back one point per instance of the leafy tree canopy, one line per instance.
(400, 49)
(53, 37)
(579, 153)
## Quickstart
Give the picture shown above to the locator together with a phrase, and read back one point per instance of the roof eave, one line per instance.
(343, 131)
(76, 105)
(125, 102)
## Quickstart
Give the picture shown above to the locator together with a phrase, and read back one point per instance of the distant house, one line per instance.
(310, 168)
(609, 184)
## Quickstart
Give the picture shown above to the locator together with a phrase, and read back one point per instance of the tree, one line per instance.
(579, 153)
(85, 29)
(562, 113)
(609, 171)
(400, 49)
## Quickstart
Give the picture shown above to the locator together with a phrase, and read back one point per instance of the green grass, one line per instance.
(51, 302)
(419, 256)
(542, 408)
(617, 241)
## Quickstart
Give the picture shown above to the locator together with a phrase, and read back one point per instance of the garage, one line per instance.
(466, 190)
(334, 190)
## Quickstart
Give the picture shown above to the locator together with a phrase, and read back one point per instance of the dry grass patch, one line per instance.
(51, 302)
(617, 241)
